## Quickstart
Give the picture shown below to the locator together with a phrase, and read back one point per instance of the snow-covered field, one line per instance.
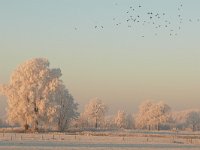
(99, 141)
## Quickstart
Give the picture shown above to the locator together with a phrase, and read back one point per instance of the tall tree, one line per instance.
(37, 96)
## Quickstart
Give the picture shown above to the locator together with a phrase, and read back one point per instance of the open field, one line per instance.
(100, 140)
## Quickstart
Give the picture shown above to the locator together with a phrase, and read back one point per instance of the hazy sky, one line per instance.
(121, 64)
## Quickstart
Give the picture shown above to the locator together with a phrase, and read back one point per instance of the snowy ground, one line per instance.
(100, 141)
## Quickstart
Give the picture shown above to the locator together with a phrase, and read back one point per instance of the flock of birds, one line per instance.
(157, 20)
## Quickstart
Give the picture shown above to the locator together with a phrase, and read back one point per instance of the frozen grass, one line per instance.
(99, 141)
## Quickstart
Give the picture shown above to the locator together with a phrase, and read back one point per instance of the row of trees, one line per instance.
(38, 99)
(151, 116)
(94, 116)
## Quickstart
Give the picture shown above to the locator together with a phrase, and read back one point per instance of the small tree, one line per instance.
(130, 121)
(193, 118)
(120, 119)
(81, 122)
(109, 122)
(152, 114)
(96, 111)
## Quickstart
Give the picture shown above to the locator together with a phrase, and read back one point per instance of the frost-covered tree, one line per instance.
(120, 119)
(186, 119)
(152, 114)
(193, 118)
(142, 118)
(66, 107)
(95, 111)
(37, 97)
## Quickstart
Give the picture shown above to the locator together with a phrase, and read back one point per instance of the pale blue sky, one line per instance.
(115, 63)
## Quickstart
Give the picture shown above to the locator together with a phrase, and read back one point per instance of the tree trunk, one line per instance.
(36, 126)
(158, 127)
(26, 127)
(36, 117)
(193, 127)
(149, 127)
(96, 123)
